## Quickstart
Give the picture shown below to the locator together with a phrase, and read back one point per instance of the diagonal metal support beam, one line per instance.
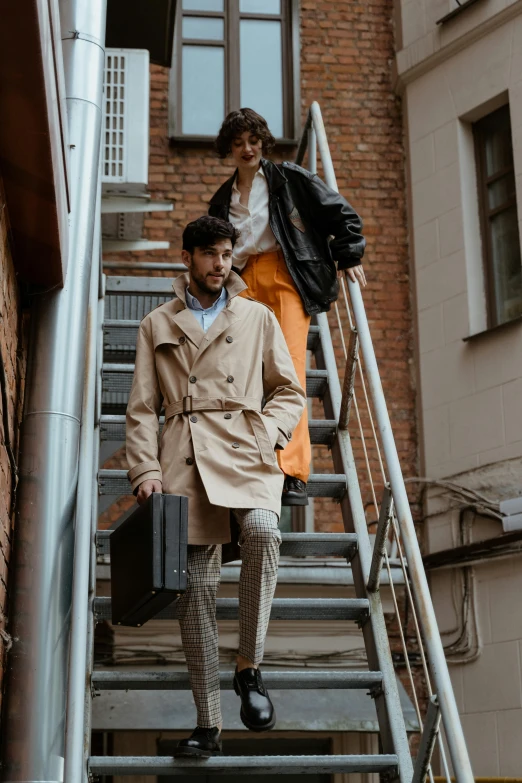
(349, 380)
(428, 740)
(379, 549)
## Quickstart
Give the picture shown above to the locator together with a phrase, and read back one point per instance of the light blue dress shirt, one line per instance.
(206, 317)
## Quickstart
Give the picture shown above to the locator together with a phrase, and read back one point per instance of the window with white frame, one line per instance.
(230, 54)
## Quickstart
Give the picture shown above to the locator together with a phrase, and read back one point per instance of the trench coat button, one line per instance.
(228, 415)
(230, 339)
(235, 445)
(182, 340)
(189, 461)
(193, 379)
(230, 379)
(193, 419)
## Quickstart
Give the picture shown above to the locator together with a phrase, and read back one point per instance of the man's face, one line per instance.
(210, 266)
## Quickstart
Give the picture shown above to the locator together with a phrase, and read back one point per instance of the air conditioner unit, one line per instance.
(125, 139)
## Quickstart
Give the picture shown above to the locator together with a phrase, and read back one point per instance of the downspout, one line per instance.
(34, 714)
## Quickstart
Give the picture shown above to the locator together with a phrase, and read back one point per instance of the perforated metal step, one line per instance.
(278, 680)
(117, 381)
(320, 485)
(293, 544)
(242, 765)
(356, 609)
(322, 431)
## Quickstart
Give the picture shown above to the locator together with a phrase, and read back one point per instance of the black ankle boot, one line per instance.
(202, 742)
(294, 492)
(257, 711)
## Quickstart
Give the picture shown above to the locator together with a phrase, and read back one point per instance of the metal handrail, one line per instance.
(314, 132)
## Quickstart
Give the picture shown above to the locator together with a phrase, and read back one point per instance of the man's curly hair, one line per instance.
(236, 123)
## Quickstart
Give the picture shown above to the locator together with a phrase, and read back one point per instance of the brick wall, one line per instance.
(13, 349)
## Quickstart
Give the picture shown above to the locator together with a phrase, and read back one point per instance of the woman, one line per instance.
(286, 215)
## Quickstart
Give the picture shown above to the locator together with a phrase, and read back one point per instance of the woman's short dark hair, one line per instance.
(207, 230)
(236, 123)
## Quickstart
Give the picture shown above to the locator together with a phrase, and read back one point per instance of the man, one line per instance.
(210, 357)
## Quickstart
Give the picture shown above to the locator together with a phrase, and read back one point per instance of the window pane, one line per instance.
(203, 86)
(262, 71)
(260, 6)
(498, 148)
(201, 27)
(507, 266)
(501, 191)
(203, 5)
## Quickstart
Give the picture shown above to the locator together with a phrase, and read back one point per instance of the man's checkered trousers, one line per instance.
(259, 541)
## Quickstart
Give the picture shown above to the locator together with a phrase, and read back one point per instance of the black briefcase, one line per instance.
(149, 559)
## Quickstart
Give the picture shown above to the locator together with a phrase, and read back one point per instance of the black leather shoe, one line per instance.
(294, 492)
(257, 711)
(202, 742)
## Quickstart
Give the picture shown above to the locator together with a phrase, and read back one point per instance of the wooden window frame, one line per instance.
(289, 18)
(480, 130)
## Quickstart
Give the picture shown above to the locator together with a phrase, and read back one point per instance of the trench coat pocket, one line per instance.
(267, 435)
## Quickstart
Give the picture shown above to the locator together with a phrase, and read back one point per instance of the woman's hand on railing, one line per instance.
(356, 274)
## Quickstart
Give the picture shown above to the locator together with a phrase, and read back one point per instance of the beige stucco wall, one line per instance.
(470, 391)
(470, 400)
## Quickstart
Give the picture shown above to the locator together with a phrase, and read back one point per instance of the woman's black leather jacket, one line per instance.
(304, 213)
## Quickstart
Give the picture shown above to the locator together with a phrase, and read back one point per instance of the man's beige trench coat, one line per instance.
(220, 451)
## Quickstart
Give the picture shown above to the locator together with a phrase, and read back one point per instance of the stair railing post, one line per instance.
(427, 619)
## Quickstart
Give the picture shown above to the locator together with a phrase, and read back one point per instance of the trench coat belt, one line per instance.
(250, 405)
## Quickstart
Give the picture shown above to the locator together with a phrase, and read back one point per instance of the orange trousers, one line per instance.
(269, 281)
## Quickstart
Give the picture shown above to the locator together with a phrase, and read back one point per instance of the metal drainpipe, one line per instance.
(34, 715)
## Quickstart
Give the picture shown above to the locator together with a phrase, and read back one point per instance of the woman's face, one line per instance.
(247, 150)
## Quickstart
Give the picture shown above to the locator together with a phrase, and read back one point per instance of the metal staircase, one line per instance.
(125, 301)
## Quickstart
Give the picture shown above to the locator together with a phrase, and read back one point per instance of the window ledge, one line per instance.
(456, 11)
(208, 141)
(492, 329)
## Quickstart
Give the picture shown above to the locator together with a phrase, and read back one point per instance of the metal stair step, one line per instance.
(278, 680)
(130, 286)
(242, 765)
(117, 380)
(293, 544)
(119, 336)
(322, 431)
(320, 485)
(356, 609)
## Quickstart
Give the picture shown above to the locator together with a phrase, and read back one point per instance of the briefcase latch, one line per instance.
(187, 404)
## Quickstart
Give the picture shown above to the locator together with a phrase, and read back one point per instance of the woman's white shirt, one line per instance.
(252, 221)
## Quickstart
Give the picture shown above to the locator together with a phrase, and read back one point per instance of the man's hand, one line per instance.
(146, 489)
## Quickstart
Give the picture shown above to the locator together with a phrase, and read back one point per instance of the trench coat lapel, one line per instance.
(183, 318)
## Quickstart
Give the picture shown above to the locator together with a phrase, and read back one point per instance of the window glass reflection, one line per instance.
(498, 150)
(262, 70)
(260, 6)
(507, 265)
(203, 5)
(199, 27)
(203, 89)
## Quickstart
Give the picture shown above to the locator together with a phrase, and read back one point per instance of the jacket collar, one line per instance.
(274, 177)
(186, 321)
